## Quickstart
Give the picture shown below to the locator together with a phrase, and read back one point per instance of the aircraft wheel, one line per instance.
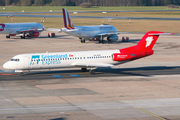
(84, 69)
(83, 40)
(100, 41)
(22, 37)
(22, 74)
(92, 72)
(7, 36)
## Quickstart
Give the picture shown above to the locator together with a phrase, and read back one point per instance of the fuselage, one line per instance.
(59, 59)
(90, 31)
(17, 28)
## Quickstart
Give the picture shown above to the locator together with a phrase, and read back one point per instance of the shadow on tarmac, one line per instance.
(99, 72)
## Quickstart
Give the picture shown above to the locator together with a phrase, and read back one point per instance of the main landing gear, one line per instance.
(23, 36)
(84, 69)
(82, 40)
(21, 74)
(101, 40)
(7, 36)
(91, 71)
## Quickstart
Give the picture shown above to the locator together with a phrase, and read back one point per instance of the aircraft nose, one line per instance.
(7, 65)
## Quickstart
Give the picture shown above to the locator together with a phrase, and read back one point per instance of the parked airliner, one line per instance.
(29, 29)
(84, 59)
(97, 32)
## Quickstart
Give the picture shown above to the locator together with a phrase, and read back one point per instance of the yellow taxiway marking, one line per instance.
(152, 114)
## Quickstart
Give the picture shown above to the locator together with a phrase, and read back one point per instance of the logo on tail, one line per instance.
(67, 20)
(148, 41)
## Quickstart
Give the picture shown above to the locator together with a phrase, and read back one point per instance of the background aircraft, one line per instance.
(29, 29)
(84, 59)
(97, 32)
(24, 29)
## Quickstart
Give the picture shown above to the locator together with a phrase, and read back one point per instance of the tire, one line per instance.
(22, 37)
(92, 72)
(7, 36)
(84, 69)
(83, 40)
(22, 74)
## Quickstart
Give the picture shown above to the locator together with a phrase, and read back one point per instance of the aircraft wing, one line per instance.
(26, 30)
(111, 33)
(53, 29)
(83, 64)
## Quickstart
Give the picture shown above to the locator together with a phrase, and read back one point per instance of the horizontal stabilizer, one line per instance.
(53, 29)
(162, 33)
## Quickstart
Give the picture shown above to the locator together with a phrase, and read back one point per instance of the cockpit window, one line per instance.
(17, 60)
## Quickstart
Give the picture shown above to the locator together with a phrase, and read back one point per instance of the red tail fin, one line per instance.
(146, 43)
(148, 40)
(142, 49)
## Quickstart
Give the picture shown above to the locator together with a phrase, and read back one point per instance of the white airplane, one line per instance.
(29, 29)
(97, 32)
(84, 59)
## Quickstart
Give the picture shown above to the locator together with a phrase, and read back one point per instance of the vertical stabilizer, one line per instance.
(148, 40)
(146, 43)
(67, 19)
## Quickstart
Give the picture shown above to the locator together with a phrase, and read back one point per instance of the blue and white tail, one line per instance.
(67, 20)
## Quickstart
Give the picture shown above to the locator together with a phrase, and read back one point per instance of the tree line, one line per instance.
(92, 2)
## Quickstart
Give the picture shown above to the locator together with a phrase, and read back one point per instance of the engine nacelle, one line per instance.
(113, 38)
(12, 34)
(121, 57)
(33, 34)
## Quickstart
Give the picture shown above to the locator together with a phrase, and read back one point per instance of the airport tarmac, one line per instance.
(145, 89)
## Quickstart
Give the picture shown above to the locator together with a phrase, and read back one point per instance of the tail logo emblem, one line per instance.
(148, 41)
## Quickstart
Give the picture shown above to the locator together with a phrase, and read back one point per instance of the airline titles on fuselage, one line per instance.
(56, 59)
(105, 28)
